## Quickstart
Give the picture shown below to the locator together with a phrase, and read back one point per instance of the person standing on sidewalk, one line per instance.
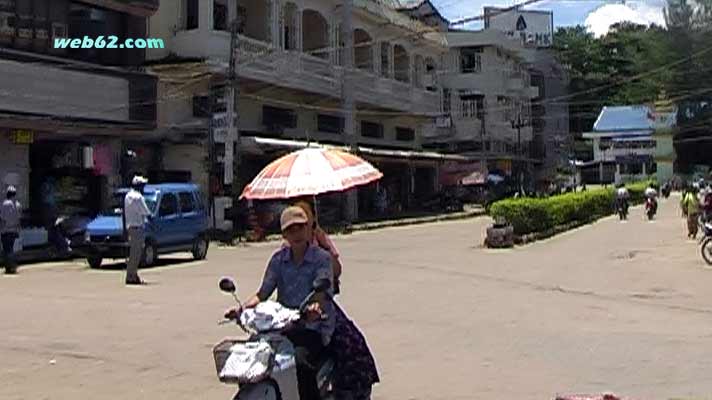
(10, 228)
(135, 213)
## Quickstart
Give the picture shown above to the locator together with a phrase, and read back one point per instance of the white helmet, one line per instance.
(138, 180)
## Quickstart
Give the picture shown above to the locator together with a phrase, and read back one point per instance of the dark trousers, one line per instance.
(309, 350)
(8, 251)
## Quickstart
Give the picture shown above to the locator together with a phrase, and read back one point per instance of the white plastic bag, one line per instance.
(248, 362)
(267, 316)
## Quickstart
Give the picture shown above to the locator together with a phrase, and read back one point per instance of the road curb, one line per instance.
(418, 220)
(370, 226)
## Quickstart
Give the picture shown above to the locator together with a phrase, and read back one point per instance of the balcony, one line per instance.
(260, 61)
(142, 8)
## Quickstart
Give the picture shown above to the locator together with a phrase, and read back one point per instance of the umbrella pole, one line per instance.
(316, 211)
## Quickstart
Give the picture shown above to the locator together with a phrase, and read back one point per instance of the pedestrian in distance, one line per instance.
(135, 214)
(690, 206)
(10, 213)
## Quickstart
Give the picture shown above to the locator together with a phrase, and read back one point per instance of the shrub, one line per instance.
(528, 215)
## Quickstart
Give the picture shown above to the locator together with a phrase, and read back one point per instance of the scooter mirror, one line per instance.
(321, 285)
(227, 285)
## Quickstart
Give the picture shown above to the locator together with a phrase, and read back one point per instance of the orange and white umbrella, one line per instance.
(310, 172)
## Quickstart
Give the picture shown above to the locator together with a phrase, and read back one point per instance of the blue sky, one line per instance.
(595, 13)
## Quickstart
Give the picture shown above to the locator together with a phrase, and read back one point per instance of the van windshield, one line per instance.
(117, 203)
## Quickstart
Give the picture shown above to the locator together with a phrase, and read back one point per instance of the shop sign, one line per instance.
(21, 136)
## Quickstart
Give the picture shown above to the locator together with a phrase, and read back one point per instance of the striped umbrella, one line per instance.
(310, 172)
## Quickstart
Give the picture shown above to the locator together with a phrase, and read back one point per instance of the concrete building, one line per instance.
(290, 67)
(623, 145)
(67, 114)
(552, 143)
(486, 109)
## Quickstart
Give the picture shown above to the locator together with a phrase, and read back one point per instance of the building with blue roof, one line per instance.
(624, 147)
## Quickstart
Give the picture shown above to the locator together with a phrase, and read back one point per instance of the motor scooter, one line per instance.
(651, 208)
(264, 365)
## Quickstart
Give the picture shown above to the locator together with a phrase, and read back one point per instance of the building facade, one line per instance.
(66, 114)
(486, 108)
(623, 144)
(291, 72)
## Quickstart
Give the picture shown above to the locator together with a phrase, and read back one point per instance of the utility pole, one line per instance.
(347, 97)
(518, 125)
(232, 143)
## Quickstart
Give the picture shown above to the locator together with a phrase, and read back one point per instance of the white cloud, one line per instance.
(600, 20)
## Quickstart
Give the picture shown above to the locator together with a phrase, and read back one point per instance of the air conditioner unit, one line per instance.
(443, 122)
(7, 24)
(25, 33)
(41, 34)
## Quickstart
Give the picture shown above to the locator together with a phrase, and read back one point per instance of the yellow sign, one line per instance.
(23, 136)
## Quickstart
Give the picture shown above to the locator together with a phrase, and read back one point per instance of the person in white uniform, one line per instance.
(135, 213)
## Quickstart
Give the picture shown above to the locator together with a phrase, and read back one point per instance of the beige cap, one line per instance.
(293, 215)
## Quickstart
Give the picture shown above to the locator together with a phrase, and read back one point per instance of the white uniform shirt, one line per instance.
(135, 209)
(10, 216)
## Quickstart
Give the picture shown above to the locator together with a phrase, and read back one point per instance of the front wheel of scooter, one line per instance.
(706, 250)
(266, 390)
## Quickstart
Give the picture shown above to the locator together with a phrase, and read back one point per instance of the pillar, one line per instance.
(299, 34)
(275, 19)
(600, 172)
(645, 168)
(376, 55)
(412, 71)
(391, 62)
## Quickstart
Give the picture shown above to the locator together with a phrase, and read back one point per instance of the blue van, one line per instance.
(179, 222)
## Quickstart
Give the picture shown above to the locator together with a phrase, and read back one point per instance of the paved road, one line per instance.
(612, 306)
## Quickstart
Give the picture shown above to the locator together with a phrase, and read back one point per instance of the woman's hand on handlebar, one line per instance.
(233, 313)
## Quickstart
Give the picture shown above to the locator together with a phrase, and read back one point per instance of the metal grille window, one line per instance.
(371, 129)
(220, 15)
(446, 101)
(330, 123)
(471, 60)
(191, 9)
(468, 108)
(405, 134)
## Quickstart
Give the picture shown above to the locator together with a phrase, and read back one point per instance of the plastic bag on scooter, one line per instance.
(268, 315)
(248, 362)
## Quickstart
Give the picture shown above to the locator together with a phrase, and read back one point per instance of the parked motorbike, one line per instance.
(264, 365)
(651, 208)
(706, 242)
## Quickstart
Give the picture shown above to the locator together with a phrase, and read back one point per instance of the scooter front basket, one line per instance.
(222, 352)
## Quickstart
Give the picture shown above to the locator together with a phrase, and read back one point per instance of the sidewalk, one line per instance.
(469, 212)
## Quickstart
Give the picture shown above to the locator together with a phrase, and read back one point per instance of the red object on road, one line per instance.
(310, 172)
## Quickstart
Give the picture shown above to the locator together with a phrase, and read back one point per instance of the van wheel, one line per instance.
(94, 262)
(200, 248)
(150, 255)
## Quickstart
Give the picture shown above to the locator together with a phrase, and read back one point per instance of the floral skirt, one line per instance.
(356, 370)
